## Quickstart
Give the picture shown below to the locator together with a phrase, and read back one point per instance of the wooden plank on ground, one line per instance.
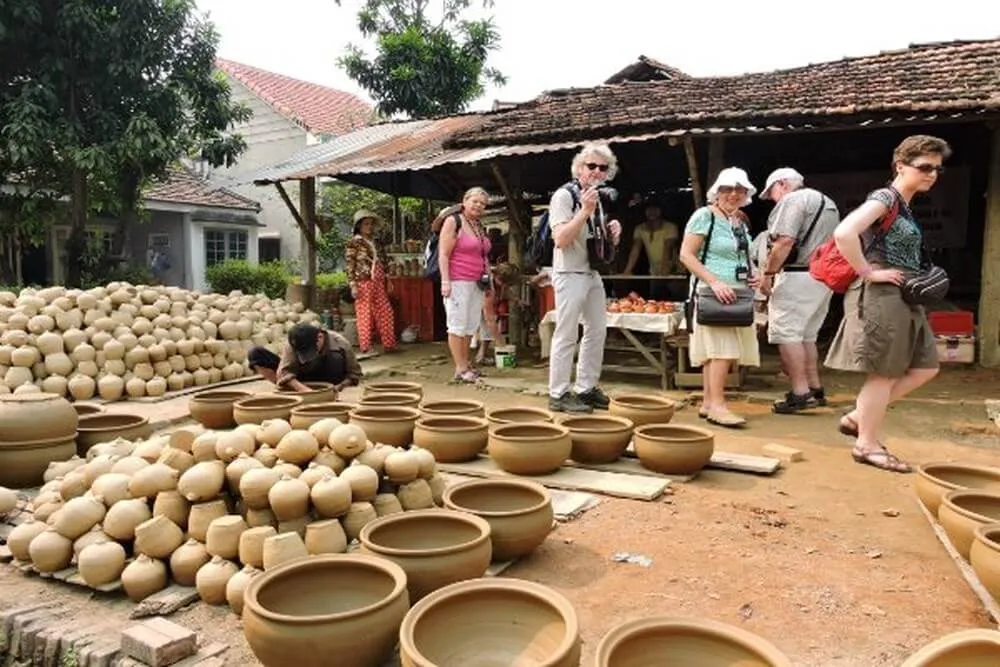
(165, 602)
(636, 487)
(630, 466)
(761, 465)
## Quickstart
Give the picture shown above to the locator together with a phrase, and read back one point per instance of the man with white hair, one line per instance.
(579, 226)
(802, 220)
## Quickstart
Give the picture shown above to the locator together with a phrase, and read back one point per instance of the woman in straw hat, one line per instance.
(366, 262)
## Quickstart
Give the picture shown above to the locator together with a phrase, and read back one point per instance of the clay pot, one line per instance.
(174, 506)
(282, 548)
(936, 479)
(101, 563)
(598, 438)
(358, 516)
(434, 547)
(201, 516)
(386, 504)
(302, 613)
(237, 585)
(962, 511)
(685, 641)
(104, 427)
(158, 537)
(518, 415)
(393, 388)
(673, 449)
(531, 448)
(143, 577)
(223, 537)
(386, 424)
(453, 408)
(212, 578)
(519, 512)
(35, 430)
(258, 409)
(214, 409)
(391, 398)
(252, 545)
(491, 622)
(451, 439)
(965, 648)
(186, 560)
(23, 464)
(984, 555)
(642, 409)
(325, 537)
(319, 392)
(305, 416)
(415, 495)
(85, 409)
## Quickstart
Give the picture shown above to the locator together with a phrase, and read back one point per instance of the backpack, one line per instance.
(829, 267)
(540, 246)
(432, 266)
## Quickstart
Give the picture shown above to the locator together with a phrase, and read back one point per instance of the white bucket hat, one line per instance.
(780, 174)
(731, 176)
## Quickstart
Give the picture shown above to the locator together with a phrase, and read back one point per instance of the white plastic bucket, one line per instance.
(505, 356)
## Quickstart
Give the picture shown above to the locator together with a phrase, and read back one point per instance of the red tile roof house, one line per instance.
(288, 115)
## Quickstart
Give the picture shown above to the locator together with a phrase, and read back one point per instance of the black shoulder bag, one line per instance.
(709, 311)
(793, 254)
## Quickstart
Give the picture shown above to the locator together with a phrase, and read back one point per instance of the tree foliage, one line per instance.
(422, 67)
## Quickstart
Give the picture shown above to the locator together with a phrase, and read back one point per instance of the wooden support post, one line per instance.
(692, 161)
(294, 211)
(989, 289)
(518, 231)
(716, 157)
(307, 205)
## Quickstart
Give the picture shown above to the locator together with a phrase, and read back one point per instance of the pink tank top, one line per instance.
(470, 256)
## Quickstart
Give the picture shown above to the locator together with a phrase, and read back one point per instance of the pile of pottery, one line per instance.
(131, 341)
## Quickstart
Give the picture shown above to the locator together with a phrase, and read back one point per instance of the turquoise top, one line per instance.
(724, 253)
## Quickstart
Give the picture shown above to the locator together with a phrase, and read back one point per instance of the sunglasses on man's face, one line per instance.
(928, 168)
(593, 166)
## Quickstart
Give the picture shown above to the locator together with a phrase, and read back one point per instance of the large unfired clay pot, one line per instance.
(518, 415)
(319, 392)
(642, 408)
(519, 512)
(692, 642)
(673, 449)
(453, 408)
(451, 439)
(107, 426)
(966, 648)
(936, 479)
(258, 409)
(342, 609)
(434, 547)
(385, 424)
(36, 416)
(214, 409)
(84, 409)
(962, 511)
(391, 398)
(305, 416)
(984, 555)
(491, 621)
(392, 387)
(530, 448)
(598, 438)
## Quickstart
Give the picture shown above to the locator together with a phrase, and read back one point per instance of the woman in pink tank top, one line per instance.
(464, 261)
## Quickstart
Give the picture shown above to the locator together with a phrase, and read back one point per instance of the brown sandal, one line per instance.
(882, 459)
(848, 427)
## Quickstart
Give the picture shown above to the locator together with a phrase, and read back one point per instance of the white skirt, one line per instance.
(734, 343)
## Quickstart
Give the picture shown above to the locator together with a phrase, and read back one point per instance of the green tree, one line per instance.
(422, 67)
(100, 98)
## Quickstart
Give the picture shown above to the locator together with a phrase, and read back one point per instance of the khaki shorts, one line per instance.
(797, 308)
(886, 336)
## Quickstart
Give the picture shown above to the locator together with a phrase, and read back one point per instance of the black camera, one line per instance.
(484, 281)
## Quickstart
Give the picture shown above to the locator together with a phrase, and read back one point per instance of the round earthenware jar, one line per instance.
(84, 409)
(673, 449)
(258, 409)
(962, 511)
(305, 416)
(984, 555)
(598, 438)
(319, 392)
(530, 448)
(936, 479)
(23, 464)
(392, 388)
(642, 408)
(965, 648)
(451, 439)
(385, 424)
(685, 641)
(346, 605)
(518, 415)
(519, 512)
(435, 547)
(391, 398)
(107, 426)
(214, 409)
(453, 408)
(491, 621)
(36, 416)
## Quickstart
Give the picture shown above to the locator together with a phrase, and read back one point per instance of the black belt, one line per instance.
(794, 269)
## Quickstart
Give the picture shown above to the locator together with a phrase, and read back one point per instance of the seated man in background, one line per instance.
(309, 355)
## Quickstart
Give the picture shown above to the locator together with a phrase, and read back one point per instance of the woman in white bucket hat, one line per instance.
(725, 265)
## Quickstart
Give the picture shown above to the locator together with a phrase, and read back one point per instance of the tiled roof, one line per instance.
(646, 69)
(942, 78)
(316, 108)
(185, 187)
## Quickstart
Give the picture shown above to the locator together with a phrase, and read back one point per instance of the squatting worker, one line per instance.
(309, 355)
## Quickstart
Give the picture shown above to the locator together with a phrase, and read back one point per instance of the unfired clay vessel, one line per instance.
(35, 430)
(966, 648)
(518, 415)
(385, 424)
(642, 408)
(453, 408)
(319, 392)
(936, 479)
(304, 613)
(519, 512)
(491, 621)
(598, 438)
(673, 449)
(452, 439)
(984, 555)
(692, 642)
(962, 511)
(391, 398)
(305, 416)
(529, 448)
(214, 409)
(108, 426)
(392, 387)
(258, 409)
(84, 409)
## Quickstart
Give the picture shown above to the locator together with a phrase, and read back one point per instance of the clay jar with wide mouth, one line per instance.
(435, 547)
(258, 409)
(642, 409)
(519, 512)
(392, 388)
(391, 398)
(962, 511)
(107, 426)
(694, 642)
(214, 409)
(673, 449)
(529, 448)
(518, 415)
(598, 438)
(984, 555)
(85, 409)
(305, 416)
(451, 439)
(319, 392)
(453, 408)
(385, 424)
(966, 648)
(35, 430)
(491, 621)
(342, 609)
(936, 479)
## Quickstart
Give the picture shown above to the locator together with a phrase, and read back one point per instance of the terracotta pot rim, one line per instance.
(703, 626)
(44, 443)
(926, 471)
(492, 415)
(546, 497)
(942, 645)
(403, 413)
(415, 515)
(274, 401)
(136, 420)
(950, 497)
(393, 387)
(383, 565)
(31, 397)
(314, 388)
(333, 406)
(471, 423)
(988, 535)
(624, 423)
(640, 402)
(378, 396)
(221, 396)
(696, 433)
(473, 588)
(555, 431)
(467, 403)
